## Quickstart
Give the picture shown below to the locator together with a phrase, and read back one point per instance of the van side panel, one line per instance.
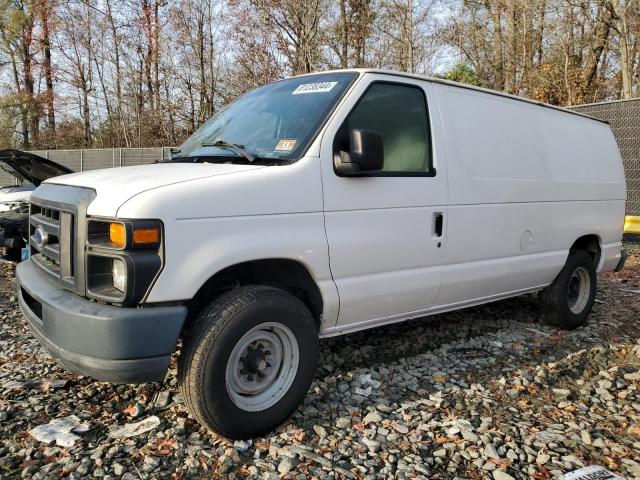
(584, 158)
(524, 183)
(496, 148)
(499, 248)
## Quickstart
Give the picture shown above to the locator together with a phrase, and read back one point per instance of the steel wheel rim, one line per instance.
(579, 290)
(262, 367)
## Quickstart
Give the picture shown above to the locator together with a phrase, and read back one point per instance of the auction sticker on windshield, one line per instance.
(317, 87)
(285, 145)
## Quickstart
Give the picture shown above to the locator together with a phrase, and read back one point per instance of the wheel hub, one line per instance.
(262, 366)
(579, 290)
(255, 362)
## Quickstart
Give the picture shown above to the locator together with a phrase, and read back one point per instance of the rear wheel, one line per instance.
(567, 302)
(248, 361)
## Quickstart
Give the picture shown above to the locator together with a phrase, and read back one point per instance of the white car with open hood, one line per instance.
(27, 171)
(316, 206)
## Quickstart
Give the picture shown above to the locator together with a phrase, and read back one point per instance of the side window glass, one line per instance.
(399, 114)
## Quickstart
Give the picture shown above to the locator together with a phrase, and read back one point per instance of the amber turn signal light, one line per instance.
(146, 236)
(117, 235)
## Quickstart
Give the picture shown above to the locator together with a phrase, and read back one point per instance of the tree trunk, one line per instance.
(344, 36)
(599, 41)
(156, 53)
(83, 85)
(33, 119)
(45, 11)
(204, 109)
(116, 53)
(148, 57)
(620, 9)
(539, 45)
(497, 43)
(512, 47)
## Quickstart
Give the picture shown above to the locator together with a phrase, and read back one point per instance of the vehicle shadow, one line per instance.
(480, 344)
(391, 343)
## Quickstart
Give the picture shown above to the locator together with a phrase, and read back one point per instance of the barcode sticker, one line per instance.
(317, 87)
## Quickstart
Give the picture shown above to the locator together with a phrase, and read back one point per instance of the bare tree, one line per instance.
(149, 72)
(296, 29)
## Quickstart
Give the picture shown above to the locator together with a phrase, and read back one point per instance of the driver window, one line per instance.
(399, 114)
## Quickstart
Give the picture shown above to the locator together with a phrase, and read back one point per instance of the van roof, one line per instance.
(460, 85)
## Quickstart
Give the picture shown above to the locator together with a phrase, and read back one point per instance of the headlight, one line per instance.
(123, 258)
(119, 273)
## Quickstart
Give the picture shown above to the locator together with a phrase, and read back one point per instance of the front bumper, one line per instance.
(114, 344)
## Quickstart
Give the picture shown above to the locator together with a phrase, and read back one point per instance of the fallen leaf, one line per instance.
(359, 426)
(165, 447)
(500, 462)
(299, 436)
(243, 471)
(634, 430)
(542, 473)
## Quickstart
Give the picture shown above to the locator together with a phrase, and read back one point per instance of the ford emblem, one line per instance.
(40, 237)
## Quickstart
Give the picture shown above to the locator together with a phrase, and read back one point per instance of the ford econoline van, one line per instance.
(311, 207)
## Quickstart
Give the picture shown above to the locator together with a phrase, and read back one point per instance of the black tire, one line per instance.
(557, 300)
(13, 254)
(208, 346)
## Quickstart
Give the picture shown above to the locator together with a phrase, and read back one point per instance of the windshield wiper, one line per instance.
(237, 149)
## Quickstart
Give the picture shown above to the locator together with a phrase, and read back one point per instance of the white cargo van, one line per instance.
(311, 207)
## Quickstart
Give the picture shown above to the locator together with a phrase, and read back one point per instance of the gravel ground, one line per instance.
(487, 392)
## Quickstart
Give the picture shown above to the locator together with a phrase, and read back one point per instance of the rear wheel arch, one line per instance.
(289, 275)
(590, 244)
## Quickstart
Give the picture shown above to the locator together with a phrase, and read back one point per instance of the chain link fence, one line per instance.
(624, 118)
(94, 159)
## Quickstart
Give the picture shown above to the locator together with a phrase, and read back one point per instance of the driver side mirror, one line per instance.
(366, 154)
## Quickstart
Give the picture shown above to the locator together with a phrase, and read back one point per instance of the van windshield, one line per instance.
(275, 122)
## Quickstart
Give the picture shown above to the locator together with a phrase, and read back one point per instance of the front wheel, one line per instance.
(248, 361)
(567, 302)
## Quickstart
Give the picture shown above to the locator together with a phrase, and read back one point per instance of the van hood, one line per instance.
(28, 167)
(114, 186)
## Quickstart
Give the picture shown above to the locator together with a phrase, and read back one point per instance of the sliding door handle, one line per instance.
(438, 220)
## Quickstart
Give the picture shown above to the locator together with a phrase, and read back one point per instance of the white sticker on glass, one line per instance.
(317, 87)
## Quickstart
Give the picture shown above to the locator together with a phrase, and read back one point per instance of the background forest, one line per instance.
(136, 73)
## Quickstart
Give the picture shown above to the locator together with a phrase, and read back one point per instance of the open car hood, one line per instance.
(29, 167)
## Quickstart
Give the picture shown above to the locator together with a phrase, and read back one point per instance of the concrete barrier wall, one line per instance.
(94, 159)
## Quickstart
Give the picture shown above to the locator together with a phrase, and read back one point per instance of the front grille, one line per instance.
(61, 212)
(56, 253)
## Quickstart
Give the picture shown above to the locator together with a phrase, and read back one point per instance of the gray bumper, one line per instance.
(114, 344)
(623, 259)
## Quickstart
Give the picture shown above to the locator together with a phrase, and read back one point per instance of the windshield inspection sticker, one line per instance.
(285, 145)
(317, 87)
